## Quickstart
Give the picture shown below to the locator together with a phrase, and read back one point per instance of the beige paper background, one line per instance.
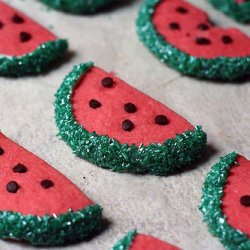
(165, 207)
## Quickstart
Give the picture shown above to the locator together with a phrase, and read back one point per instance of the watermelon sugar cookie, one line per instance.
(136, 241)
(113, 125)
(182, 36)
(226, 201)
(25, 46)
(236, 9)
(38, 204)
(78, 6)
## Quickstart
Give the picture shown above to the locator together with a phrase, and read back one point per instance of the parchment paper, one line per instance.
(166, 207)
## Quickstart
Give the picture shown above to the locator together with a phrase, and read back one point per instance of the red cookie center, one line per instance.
(189, 29)
(107, 105)
(19, 34)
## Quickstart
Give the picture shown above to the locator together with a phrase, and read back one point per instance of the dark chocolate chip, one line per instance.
(12, 187)
(17, 19)
(94, 104)
(174, 26)
(130, 107)
(161, 120)
(20, 168)
(227, 39)
(107, 82)
(25, 36)
(203, 41)
(203, 26)
(245, 200)
(182, 10)
(47, 184)
(1, 25)
(1, 151)
(127, 125)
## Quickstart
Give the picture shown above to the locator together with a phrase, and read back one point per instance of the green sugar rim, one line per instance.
(157, 159)
(125, 242)
(51, 230)
(34, 62)
(239, 12)
(221, 68)
(212, 194)
(78, 6)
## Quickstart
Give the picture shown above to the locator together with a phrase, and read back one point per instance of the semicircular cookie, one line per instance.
(38, 204)
(136, 241)
(182, 36)
(236, 9)
(225, 201)
(113, 125)
(78, 6)
(25, 46)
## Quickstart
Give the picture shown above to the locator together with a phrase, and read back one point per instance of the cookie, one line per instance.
(135, 241)
(115, 126)
(25, 46)
(226, 201)
(38, 204)
(236, 9)
(78, 6)
(182, 36)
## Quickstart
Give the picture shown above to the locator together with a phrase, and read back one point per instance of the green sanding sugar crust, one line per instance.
(211, 202)
(78, 6)
(157, 159)
(51, 230)
(221, 68)
(239, 12)
(34, 62)
(125, 242)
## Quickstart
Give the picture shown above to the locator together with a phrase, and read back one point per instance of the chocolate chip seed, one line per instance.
(182, 10)
(227, 39)
(17, 19)
(245, 200)
(24, 36)
(94, 104)
(12, 187)
(47, 184)
(1, 25)
(174, 26)
(127, 125)
(203, 26)
(107, 82)
(20, 168)
(130, 107)
(202, 41)
(161, 120)
(1, 151)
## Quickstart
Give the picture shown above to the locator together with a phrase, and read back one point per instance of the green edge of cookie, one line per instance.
(239, 12)
(50, 230)
(78, 6)
(125, 242)
(34, 62)
(158, 159)
(221, 68)
(212, 194)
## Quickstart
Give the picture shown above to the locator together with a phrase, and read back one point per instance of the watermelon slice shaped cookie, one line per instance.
(25, 46)
(182, 36)
(226, 201)
(135, 241)
(78, 6)
(236, 9)
(113, 125)
(38, 204)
